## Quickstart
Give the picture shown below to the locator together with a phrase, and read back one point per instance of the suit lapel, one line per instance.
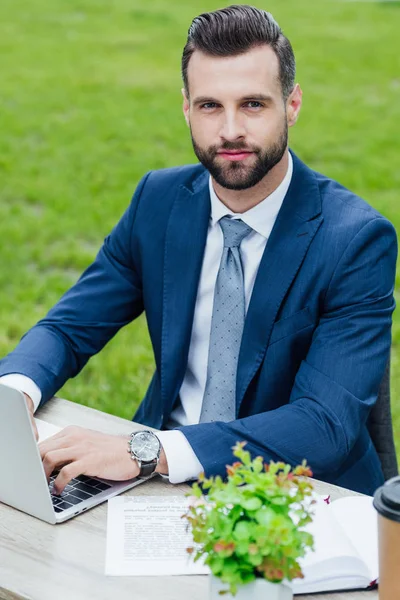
(298, 221)
(183, 256)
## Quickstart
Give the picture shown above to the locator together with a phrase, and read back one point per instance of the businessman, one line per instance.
(267, 288)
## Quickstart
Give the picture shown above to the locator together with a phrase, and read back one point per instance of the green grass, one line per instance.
(90, 101)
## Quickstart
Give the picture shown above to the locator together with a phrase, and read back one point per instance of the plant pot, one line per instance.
(260, 589)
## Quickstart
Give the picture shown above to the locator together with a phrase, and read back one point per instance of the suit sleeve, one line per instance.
(337, 383)
(106, 297)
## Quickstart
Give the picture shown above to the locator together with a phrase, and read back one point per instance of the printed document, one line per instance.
(146, 535)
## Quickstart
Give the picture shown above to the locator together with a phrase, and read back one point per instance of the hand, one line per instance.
(81, 451)
(31, 410)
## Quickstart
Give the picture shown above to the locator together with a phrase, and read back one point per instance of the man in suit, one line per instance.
(267, 287)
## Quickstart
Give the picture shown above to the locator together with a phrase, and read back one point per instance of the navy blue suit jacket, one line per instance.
(316, 337)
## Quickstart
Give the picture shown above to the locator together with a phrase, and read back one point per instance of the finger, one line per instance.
(55, 458)
(63, 439)
(71, 432)
(52, 444)
(66, 474)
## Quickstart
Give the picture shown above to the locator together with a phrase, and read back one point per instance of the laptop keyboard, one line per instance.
(80, 488)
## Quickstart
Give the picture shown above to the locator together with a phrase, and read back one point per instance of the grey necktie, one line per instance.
(226, 327)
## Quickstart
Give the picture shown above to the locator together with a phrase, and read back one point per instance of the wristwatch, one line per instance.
(145, 448)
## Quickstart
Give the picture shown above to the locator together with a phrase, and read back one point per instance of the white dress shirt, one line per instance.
(182, 461)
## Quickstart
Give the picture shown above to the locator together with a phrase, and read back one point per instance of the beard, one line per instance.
(236, 175)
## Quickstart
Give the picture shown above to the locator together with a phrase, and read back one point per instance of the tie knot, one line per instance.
(234, 231)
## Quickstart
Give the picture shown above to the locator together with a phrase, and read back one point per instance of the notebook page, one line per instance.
(334, 557)
(359, 520)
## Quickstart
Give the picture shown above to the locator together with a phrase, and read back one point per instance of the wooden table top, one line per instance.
(39, 561)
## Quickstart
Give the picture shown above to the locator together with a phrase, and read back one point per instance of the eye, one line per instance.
(209, 105)
(253, 104)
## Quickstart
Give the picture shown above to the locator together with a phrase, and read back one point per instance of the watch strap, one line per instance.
(147, 469)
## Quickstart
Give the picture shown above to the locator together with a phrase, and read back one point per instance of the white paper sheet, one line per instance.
(359, 519)
(329, 538)
(46, 430)
(147, 536)
(335, 563)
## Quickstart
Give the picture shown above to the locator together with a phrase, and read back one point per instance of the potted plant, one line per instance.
(249, 529)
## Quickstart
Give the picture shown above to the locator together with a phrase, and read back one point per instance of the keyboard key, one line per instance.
(85, 479)
(80, 494)
(56, 500)
(57, 509)
(84, 487)
(102, 486)
(63, 505)
(92, 481)
(72, 499)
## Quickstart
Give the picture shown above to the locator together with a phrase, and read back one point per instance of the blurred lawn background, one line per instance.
(90, 101)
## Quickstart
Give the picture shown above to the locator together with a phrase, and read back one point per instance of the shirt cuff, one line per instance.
(183, 464)
(23, 384)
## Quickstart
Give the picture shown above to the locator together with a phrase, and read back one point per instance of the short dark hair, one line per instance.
(234, 30)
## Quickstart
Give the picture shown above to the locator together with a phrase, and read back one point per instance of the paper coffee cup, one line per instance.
(387, 503)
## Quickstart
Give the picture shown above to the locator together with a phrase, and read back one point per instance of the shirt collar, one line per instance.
(260, 218)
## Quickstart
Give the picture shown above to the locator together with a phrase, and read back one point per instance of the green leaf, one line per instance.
(216, 565)
(255, 559)
(251, 503)
(279, 500)
(242, 530)
(264, 516)
(242, 547)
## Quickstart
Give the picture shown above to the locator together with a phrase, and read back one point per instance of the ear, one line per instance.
(293, 105)
(186, 106)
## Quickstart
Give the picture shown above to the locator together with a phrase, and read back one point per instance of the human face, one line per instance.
(237, 116)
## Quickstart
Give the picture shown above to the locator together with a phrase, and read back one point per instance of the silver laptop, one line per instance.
(23, 483)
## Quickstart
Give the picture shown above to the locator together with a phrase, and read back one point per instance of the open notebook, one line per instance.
(346, 547)
(345, 534)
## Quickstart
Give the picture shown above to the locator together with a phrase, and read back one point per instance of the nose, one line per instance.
(232, 128)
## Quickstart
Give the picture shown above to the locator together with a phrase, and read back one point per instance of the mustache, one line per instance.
(235, 146)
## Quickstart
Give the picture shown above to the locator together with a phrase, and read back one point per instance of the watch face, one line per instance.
(145, 446)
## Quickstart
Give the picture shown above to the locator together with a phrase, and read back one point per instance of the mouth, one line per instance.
(235, 155)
